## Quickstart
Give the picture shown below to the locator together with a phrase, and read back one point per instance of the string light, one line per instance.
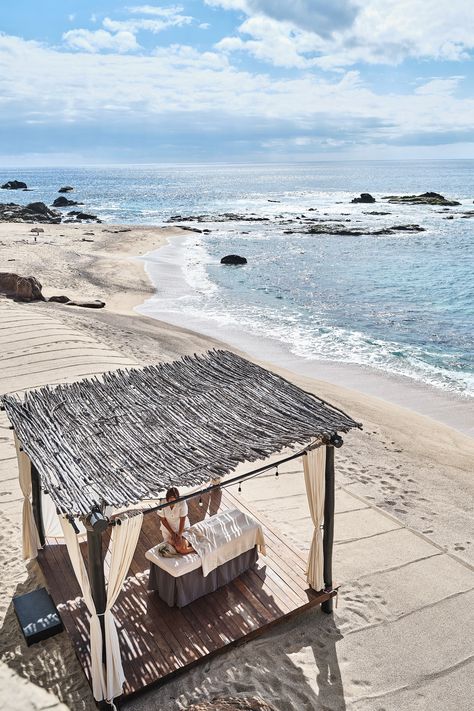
(240, 487)
(200, 501)
(276, 471)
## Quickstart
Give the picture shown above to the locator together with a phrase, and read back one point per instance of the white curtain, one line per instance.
(314, 463)
(77, 561)
(31, 540)
(124, 540)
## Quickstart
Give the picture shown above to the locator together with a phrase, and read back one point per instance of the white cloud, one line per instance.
(322, 17)
(278, 43)
(180, 85)
(379, 32)
(99, 40)
(71, 17)
(120, 35)
(439, 87)
(169, 11)
(148, 25)
(204, 26)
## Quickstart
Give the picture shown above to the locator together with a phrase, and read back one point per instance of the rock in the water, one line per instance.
(83, 216)
(64, 202)
(233, 259)
(364, 197)
(20, 288)
(61, 299)
(14, 185)
(341, 231)
(34, 212)
(249, 703)
(87, 303)
(423, 199)
(65, 189)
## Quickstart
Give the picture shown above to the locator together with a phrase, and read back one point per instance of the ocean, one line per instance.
(399, 303)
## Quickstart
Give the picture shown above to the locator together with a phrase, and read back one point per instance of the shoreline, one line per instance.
(447, 408)
(397, 588)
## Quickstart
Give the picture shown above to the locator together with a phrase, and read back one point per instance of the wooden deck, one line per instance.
(159, 642)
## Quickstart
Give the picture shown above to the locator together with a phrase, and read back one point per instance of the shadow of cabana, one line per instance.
(51, 664)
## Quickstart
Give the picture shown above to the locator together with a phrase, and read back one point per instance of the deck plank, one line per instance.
(159, 642)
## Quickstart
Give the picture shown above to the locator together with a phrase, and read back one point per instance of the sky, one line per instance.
(101, 81)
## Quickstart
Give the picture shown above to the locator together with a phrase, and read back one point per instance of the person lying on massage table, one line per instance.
(174, 520)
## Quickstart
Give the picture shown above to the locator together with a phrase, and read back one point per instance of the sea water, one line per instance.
(401, 303)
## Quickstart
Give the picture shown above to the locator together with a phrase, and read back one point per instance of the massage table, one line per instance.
(226, 545)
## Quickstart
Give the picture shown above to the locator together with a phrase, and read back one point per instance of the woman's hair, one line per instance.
(172, 493)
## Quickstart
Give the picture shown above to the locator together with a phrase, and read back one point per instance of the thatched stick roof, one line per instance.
(128, 435)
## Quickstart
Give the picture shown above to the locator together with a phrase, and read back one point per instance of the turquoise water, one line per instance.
(402, 303)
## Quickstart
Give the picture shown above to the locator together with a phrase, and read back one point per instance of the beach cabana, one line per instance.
(104, 451)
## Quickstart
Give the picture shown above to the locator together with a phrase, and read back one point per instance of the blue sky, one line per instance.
(97, 81)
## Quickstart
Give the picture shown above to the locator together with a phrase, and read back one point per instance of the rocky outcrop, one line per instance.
(66, 189)
(249, 703)
(233, 259)
(82, 217)
(423, 199)
(65, 202)
(340, 230)
(34, 212)
(364, 197)
(14, 185)
(20, 288)
(225, 217)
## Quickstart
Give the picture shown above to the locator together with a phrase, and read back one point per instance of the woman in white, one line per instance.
(174, 520)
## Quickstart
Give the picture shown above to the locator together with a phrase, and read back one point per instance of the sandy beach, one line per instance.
(401, 637)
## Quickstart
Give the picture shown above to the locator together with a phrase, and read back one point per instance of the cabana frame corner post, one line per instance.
(95, 565)
(328, 533)
(36, 502)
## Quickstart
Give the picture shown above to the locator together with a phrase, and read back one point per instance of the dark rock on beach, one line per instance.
(61, 299)
(66, 189)
(364, 197)
(233, 259)
(33, 212)
(20, 288)
(87, 303)
(423, 199)
(65, 202)
(14, 185)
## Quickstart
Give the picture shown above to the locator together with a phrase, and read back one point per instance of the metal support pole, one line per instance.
(97, 577)
(328, 537)
(98, 589)
(36, 502)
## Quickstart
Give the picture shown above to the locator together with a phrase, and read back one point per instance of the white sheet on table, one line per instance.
(223, 537)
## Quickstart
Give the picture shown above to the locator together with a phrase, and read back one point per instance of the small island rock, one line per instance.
(429, 198)
(66, 189)
(14, 185)
(233, 259)
(64, 202)
(364, 197)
